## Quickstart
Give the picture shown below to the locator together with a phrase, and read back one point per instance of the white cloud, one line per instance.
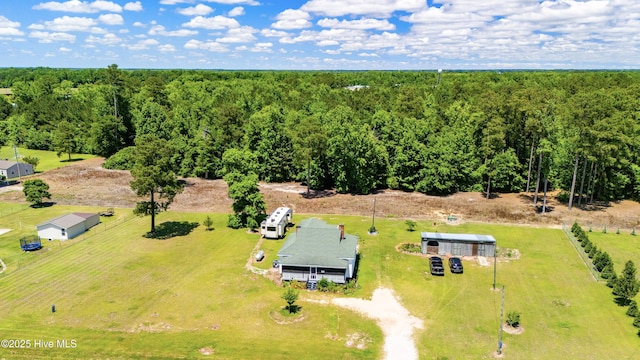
(49, 37)
(64, 49)
(199, 9)
(236, 11)
(378, 8)
(234, 2)
(262, 47)
(9, 28)
(133, 6)
(76, 6)
(357, 24)
(239, 35)
(166, 48)
(111, 19)
(143, 44)
(212, 23)
(107, 39)
(139, 24)
(174, 2)
(69, 23)
(212, 46)
(368, 55)
(292, 19)
(160, 30)
(291, 24)
(273, 33)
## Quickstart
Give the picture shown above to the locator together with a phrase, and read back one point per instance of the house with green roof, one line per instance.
(318, 250)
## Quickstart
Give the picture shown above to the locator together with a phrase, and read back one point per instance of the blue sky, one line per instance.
(322, 34)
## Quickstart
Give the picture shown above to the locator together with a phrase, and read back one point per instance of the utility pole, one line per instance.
(373, 218)
(15, 153)
(500, 330)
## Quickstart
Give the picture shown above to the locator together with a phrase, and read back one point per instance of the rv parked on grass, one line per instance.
(275, 226)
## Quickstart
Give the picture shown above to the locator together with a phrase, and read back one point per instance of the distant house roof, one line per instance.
(458, 237)
(69, 220)
(315, 242)
(5, 164)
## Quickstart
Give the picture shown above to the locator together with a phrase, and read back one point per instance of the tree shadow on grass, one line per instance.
(45, 204)
(71, 160)
(170, 229)
(293, 309)
(620, 301)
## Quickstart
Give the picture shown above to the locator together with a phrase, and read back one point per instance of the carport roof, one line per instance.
(469, 238)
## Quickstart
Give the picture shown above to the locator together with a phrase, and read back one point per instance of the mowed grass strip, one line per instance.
(190, 292)
(48, 160)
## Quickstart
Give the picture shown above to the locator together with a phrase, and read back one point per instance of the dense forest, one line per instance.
(355, 132)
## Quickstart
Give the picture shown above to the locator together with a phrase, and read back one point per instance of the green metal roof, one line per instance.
(317, 243)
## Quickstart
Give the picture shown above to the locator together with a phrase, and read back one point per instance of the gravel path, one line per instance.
(396, 322)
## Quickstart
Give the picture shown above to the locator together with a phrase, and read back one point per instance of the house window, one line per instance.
(271, 228)
(63, 232)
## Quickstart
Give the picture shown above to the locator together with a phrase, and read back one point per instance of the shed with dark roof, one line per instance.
(67, 226)
(317, 250)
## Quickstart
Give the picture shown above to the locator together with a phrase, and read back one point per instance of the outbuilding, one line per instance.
(458, 244)
(67, 226)
(14, 169)
(317, 250)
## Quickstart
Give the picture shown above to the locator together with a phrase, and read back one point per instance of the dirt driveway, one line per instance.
(87, 183)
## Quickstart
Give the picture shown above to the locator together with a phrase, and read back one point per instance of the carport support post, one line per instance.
(494, 266)
(500, 331)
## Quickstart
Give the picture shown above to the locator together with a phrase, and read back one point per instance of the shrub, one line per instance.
(234, 221)
(575, 227)
(31, 160)
(323, 285)
(513, 319)
(612, 280)
(608, 272)
(604, 229)
(122, 160)
(593, 251)
(372, 230)
(633, 309)
(563, 197)
(411, 248)
(587, 247)
(411, 225)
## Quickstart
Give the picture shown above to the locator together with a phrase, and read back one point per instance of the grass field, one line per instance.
(120, 295)
(48, 159)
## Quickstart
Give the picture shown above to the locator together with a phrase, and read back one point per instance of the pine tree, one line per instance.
(627, 286)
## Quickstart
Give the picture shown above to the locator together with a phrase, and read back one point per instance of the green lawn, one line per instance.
(621, 247)
(120, 295)
(48, 159)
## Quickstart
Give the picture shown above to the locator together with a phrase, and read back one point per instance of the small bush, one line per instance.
(372, 230)
(593, 251)
(411, 225)
(563, 197)
(234, 221)
(122, 160)
(411, 248)
(208, 223)
(513, 319)
(604, 229)
(633, 309)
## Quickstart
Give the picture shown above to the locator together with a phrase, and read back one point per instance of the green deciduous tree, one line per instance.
(35, 190)
(153, 176)
(64, 139)
(248, 204)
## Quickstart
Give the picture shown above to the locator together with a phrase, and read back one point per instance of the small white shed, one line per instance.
(67, 226)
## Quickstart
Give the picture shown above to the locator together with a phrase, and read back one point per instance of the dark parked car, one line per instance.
(437, 268)
(455, 264)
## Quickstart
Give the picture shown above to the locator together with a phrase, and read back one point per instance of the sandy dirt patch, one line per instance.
(396, 322)
(4, 231)
(87, 183)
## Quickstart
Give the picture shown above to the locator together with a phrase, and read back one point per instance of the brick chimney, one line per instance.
(341, 227)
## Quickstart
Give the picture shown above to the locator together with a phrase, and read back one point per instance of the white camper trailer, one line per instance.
(275, 225)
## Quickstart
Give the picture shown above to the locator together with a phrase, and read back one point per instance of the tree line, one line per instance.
(487, 131)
